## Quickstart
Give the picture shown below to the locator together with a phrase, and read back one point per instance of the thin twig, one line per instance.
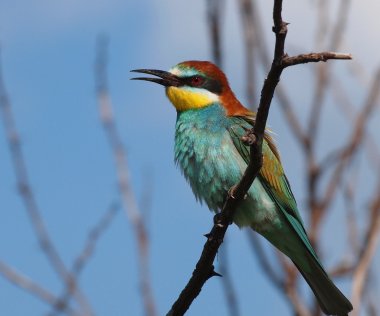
(28, 197)
(62, 303)
(349, 200)
(250, 42)
(281, 95)
(314, 58)
(323, 77)
(323, 23)
(214, 17)
(264, 261)
(299, 308)
(30, 286)
(344, 159)
(346, 106)
(322, 71)
(127, 195)
(355, 139)
(367, 252)
(228, 286)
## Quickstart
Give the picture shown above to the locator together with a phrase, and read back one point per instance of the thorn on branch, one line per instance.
(208, 235)
(214, 273)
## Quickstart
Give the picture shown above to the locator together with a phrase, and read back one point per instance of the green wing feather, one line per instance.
(272, 177)
(274, 181)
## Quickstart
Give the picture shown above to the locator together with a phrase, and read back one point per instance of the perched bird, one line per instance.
(209, 150)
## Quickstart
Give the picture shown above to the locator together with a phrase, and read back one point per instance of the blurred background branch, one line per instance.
(122, 171)
(30, 203)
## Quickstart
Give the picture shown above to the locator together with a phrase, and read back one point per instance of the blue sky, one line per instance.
(48, 52)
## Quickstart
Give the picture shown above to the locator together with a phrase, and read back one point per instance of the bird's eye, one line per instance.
(197, 81)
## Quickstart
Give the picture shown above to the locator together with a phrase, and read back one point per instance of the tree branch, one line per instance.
(214, 18)
(204, 268)
(126, 191)
(314, 58)
(28, 198)
(250, 42)
(62, 302)
(367, 252)
(30, 286)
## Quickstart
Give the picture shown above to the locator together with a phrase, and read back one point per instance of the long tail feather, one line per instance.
(330, 298)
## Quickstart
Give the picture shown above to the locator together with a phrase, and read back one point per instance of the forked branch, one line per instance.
(204, 268)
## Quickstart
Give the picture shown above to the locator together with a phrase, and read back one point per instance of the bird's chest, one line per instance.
(209, 161)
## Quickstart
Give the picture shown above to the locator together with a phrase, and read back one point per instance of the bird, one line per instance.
(210, 152)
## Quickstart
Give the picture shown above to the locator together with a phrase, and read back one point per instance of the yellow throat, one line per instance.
(184, 98)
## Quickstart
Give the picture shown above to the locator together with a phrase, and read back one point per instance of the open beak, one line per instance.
(166, 79)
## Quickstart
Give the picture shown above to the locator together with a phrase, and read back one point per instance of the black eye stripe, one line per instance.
(209, 84)
(213, 86)
(188, 80)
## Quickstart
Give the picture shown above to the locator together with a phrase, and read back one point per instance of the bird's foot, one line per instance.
(214, 273)
(231, 193)
(249, 138)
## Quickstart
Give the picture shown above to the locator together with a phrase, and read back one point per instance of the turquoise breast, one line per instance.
(210, 162)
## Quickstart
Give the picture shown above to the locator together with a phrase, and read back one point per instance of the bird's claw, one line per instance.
(231, 192)
(249, 138)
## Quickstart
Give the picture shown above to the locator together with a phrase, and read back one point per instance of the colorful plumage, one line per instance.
(212, 157)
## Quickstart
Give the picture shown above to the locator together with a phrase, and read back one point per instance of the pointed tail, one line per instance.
(298, 248)
(330, 298)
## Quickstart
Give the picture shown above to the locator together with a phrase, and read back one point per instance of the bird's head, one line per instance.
(196, 84)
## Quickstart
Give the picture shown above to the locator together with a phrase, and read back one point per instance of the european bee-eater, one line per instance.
(208, 148)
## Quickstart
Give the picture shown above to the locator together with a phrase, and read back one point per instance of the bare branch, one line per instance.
(322, 79)
(250, 41)
(62, 303)
(299, 308)
(341, 269)
(264, 261)
(323, 23)
(322, 71)
(290, 116)
(204, 268)
(228, 286)
(263, 54)
(354, 141)
(349, 198)
(214, 16)
(29, 285)
(127, 195)
(341, 23)
(367, 252)
(314, 58)
(347, 108)
(28, 198)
